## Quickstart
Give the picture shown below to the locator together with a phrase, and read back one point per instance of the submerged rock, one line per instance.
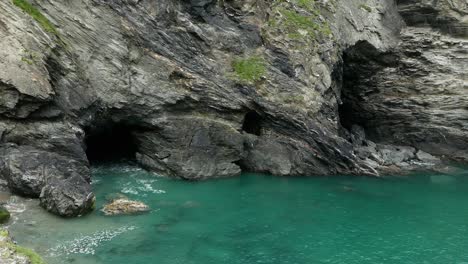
(124, 207)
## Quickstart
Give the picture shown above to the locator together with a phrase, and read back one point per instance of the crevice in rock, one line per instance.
(252, 123)
(110, 142)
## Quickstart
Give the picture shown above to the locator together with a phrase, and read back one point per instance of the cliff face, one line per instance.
(418, 96)
(204, 88)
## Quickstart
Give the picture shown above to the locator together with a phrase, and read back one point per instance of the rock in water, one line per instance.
(4, 215)
(67, 197)
(124, 207)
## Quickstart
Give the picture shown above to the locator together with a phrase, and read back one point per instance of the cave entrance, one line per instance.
(252, 123)
(357, 71)
(110, 142)
(363, 68)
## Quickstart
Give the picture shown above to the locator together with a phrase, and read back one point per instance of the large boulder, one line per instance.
(59, 181)
(68, 197)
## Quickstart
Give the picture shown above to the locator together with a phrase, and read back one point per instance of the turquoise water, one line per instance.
(261, 219)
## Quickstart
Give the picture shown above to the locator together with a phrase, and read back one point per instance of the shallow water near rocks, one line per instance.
(260, 219)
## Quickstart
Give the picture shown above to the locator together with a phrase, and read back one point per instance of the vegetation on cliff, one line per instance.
(249, 69)
(37, 15)
(9, 250)
(299, 20)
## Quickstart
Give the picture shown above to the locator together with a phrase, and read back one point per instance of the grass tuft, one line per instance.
(37, 15)
(249, 69)
(33, 257)
(299, 20)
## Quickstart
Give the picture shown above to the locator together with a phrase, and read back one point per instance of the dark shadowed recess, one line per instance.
(252, 123)
(361, 63)
(110, 142)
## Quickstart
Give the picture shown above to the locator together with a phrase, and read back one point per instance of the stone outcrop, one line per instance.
(124, 206)
(209, 88)
(416, 94)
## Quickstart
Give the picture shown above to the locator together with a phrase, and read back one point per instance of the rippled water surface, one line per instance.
(261, 219)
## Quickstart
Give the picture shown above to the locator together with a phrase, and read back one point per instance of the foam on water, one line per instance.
(259, 219)
(87, 244)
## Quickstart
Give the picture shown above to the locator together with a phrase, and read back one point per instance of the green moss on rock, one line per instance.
(4, 215)
(33, 257)
(11, 248)
(37, 15)
(3, 233)
(249, 69)
(298, 19)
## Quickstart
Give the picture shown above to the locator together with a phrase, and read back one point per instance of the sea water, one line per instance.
(259, 219)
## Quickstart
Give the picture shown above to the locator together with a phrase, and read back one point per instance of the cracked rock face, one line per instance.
(416, 94)
(210, 88)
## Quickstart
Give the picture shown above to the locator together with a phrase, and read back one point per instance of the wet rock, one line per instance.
(124, 207)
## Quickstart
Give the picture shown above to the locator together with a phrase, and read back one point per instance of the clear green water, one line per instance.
(261, 219)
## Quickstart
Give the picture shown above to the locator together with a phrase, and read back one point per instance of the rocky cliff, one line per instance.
(203, 88)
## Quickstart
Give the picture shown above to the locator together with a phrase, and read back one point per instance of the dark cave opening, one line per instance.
(252, 123)
(110, 142)
(361, 64)
(356, 71)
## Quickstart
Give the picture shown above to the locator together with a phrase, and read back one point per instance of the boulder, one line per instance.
(61, 182)
(68, 197)
(124, 207)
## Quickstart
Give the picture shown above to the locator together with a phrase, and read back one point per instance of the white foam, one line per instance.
(87, 244)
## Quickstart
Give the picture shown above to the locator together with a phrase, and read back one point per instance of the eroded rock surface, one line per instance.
(210, 88)
(417, 94)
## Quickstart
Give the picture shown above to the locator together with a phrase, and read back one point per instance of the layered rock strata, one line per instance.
(205, 88)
